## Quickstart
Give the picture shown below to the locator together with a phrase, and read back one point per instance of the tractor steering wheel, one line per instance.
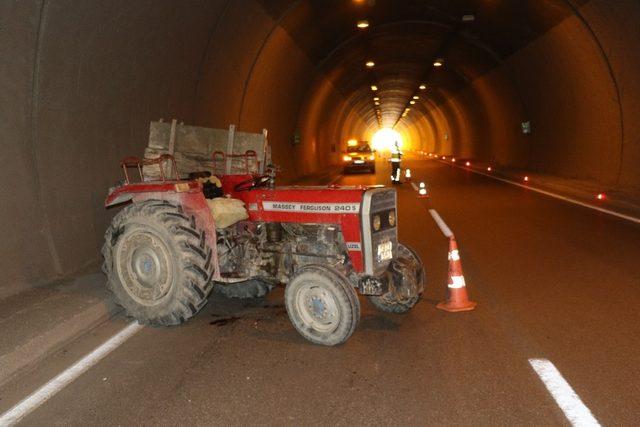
(251, 183)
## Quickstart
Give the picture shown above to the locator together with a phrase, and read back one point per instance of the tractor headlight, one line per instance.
(376, 222)
(392, 218)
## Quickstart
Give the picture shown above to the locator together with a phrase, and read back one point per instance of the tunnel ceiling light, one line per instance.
(412, 102)
(377, 103)
(374, 88)
(422, 87)
(469, 17)
(370, 64)
(362, 24)
(438, 62)
(416, 97)
(375, 98)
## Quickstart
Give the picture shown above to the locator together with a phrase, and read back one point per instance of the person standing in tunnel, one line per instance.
(396, 157)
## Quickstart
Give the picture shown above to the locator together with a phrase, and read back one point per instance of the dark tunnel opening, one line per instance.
(80, 82)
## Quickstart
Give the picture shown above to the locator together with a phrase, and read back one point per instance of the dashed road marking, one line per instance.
(566, 398)
(44, 393)
(443, 226)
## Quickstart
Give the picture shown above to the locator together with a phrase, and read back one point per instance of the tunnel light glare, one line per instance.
(374, 88)
(370, 64)
(362, 24)
(422, 87)
(385, 139)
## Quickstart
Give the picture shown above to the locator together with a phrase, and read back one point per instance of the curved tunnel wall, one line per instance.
(85, 78)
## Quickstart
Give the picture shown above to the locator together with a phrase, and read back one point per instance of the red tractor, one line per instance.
(164, 252)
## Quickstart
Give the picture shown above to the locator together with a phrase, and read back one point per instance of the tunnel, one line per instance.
(80, 82)
(409, 138)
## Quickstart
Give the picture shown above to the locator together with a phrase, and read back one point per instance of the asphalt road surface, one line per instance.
(552, 280)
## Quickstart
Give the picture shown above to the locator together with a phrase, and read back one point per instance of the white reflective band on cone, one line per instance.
(457, 282)
(454, 255)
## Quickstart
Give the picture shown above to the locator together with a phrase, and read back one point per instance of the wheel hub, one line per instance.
(144, 266)
(318, 308)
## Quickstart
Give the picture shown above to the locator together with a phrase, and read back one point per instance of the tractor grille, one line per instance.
(382, 242)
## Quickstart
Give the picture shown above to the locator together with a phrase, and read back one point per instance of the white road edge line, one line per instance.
(336, 179)
(550, 194)
(44, 393)
(567, 399)
(443, 226)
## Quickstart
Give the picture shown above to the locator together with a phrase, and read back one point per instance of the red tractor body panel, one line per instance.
(338, 205)
(312, 205)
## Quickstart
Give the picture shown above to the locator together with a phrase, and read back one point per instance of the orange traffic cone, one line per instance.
(457, 299)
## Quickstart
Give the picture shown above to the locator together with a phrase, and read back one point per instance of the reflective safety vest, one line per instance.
(396, 155)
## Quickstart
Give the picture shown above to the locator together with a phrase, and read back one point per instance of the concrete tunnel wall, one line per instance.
(80, 81)
(576, 86)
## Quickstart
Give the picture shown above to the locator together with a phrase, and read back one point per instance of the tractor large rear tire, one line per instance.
(157, 262)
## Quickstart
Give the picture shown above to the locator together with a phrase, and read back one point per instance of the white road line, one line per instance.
(415, 187)
(48, 390)
(336, 179)
(567, 399)
(550, 194)
(443, 226)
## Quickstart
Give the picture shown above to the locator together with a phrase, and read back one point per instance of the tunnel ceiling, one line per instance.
(404, 39)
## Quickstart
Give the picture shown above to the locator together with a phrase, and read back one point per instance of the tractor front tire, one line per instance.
(389, 302)
(157, 262)
(322, 305)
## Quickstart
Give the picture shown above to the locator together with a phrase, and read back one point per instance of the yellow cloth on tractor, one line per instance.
(227, 211)
(212, 179)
